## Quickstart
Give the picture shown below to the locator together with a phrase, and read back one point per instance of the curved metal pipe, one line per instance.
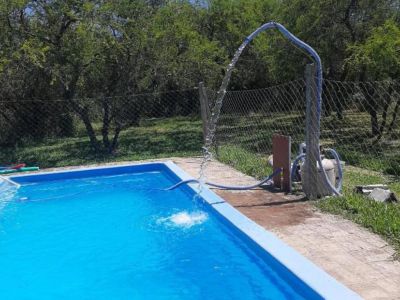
(296, 41)
(314, 55)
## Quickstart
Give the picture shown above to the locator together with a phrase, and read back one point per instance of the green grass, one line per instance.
(380, 218)
(240, 137)
(350, 136)
(244, 161)
(154, 139)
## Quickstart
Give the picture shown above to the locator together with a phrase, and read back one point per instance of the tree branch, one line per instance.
(352, 5)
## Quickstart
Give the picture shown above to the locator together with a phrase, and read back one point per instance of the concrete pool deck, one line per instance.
(361, 260)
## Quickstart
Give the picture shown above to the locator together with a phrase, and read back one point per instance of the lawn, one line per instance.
(380, 218)
(154, 139)
(244, 143)
(350, 136)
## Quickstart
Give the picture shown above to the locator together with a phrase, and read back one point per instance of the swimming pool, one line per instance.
(113, 233)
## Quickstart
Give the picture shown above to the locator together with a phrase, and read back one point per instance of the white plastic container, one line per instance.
(329, 168)
(320, 186)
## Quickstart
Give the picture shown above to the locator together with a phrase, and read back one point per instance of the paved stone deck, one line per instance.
(354, 256)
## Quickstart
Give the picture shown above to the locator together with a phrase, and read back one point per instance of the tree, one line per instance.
(330, 27)
(179, 55)
(108, 51)
(228, 23)
(79, 49)
(377, 58)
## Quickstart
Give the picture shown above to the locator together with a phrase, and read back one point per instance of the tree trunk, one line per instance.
(114, 143)
(384, 119)
(81, 111)
(394, 117)
(373, 112)
(371, 103)
(89, 129)
(374, 122)
(83, 114)
(350, 8)
(106, 124)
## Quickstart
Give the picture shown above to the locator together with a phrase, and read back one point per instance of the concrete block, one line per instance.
(382, 195)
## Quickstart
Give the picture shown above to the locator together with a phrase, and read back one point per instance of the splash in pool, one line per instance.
(184, 219)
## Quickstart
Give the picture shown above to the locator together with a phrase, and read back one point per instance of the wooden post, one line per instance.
(204, 109)
(309, 176)
(281, 146)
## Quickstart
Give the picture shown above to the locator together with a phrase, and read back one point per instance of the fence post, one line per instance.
(204, 109)
(310, 177)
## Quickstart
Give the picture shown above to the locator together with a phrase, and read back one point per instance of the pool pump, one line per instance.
(332, 169)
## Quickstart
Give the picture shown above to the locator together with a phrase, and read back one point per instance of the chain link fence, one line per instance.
(359, 119)
(69, 132)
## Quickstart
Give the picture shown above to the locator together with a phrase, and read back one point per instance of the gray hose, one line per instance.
(335, 189)
(294, 165)
(338, 186)
(228, 187)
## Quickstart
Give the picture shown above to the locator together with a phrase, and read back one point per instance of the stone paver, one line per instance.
(354, 256)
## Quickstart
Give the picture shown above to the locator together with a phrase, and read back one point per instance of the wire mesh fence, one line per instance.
(65, 132)
(359, 119)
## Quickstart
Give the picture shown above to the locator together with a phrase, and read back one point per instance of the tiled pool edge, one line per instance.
(315, 278)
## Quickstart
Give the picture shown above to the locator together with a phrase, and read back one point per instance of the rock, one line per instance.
(382, 195)
(367, 189)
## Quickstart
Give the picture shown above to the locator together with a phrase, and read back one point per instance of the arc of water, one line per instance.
(10, 181)
(222, 91)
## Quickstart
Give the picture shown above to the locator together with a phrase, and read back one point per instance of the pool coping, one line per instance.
(310, 274)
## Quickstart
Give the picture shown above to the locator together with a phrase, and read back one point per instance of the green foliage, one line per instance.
(331, 27)
(178, 43)
(228, 22)
(101, 49)
(378, 56)
(182, 56)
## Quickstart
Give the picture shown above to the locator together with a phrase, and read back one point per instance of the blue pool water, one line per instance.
(118, 237)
